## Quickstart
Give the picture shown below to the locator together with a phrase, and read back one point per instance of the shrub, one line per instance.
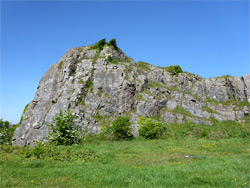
(174, 70)
(99, 45)
(89, 84)
(121, 128)
(4, 136)
(150, 129)
(64, 131)
(6, 132)
(113, 43)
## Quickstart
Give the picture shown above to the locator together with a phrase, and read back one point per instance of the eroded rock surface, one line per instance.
(85, 81)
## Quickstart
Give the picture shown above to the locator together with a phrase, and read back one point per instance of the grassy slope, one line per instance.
(138, 163)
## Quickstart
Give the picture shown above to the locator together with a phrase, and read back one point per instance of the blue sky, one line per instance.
(209, 38)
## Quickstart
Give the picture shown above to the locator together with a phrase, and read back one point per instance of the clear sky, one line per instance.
(209, 38)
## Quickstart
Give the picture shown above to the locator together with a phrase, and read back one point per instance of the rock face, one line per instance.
(90, 84)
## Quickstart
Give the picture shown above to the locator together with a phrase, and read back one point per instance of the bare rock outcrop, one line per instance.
(89, 83)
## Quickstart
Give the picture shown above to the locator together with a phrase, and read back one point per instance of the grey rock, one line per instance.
(169, 117)
(142, 82)
(180, 118)
(171, 105)
(216, 89)
(201, 121)
(199, 89)
(193, 106)
(239, 114)
(236, 88)
(88, 85)
(148, 109)
(115, 54)
(246, 79)
(156, 74)
(245, 111)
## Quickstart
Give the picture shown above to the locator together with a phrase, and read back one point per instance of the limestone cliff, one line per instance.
(107, 82)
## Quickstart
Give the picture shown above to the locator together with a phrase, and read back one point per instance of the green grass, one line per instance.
(143, 66)
(137, 163)
(153, 84)
(219, 130)
(180, 110)
(238, 104)
(117, 61)
(225, 76)
(210, 110)
(140, 97)
(220, 157)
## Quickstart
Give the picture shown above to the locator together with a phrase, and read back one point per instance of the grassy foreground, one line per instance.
(136, 163)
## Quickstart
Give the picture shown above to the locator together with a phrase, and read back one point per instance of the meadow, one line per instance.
(137, 163)
(180, 155)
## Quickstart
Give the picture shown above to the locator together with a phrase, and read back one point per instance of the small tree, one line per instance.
(121, 128)
(64, 131)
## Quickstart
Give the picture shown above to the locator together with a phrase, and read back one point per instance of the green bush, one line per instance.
(99, 45)
(89, 84)
(174, 70)
(64, 131)
(109, 58)
(4, 136)
(150, 129)
(113, 43)
(121, 128)
(4, 124)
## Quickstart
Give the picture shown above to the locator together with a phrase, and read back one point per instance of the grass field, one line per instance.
(136, 163)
